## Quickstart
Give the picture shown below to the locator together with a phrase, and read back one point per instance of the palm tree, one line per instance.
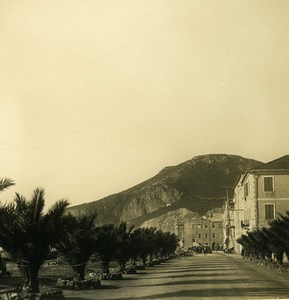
(124, 245)
(27, 233)
(5, 183)
(275, 244)
(106, 244)
(148, 246)
(169, 243)
(279, 236)
(247, 244)
(136, 244)
(79, 242)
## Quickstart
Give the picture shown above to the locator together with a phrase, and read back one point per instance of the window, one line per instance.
(200, 235)
(269, 211)
(214, 235)
(246, 189)
(181, 231)
(268, 184)
(213, 225)
(206, 235)
(206, 225)
(194, 240)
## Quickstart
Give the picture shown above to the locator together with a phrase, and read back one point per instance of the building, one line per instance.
(206, 230)
(260, 195)
(239, 223)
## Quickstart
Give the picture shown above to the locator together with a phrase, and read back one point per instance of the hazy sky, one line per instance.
(99, 95)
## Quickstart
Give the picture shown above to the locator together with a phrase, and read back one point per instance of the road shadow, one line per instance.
(192, 275)
(208, 282)
(234, 293)
(109, 287)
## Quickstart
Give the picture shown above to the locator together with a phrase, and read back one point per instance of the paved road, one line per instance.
(215, 276)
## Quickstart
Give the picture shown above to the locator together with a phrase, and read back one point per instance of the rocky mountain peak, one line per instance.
(186, 185)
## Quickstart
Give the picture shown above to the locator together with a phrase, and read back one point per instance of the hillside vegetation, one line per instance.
(198, 184)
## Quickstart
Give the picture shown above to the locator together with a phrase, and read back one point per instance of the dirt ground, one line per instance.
(214, 276)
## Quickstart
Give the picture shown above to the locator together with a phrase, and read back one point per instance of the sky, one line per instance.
(99, 95)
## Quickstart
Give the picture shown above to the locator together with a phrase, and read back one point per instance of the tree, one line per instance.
(169, 244)
(279, 235)
(5, 183)
(136, 244)
(148, 246)
(27, 233)
(79, 242)
(247, 244)
(106, 245)
(256, 244)
(124, 245)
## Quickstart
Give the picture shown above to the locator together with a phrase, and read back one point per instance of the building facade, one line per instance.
(206, 231)
(260, 195)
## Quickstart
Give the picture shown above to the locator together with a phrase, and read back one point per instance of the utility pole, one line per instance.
(228, 220)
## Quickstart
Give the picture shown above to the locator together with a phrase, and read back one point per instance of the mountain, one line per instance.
(198, 185)
(167, 221)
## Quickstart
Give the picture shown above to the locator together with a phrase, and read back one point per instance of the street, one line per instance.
(215, 276)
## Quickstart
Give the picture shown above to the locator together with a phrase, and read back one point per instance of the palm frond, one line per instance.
(20, 202)
(5, 183)
(58, 208)
(37, 204)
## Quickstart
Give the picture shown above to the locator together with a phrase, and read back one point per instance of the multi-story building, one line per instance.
(260, 195)
(206, 230)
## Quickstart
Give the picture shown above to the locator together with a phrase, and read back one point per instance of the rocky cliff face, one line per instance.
(150, 200)
(167, 221)
(190, 185)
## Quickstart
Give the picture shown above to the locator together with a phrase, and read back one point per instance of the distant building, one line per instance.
(260, 195)
(206, 230)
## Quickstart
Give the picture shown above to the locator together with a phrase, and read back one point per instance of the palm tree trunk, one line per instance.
(29, 275)
(79, 272)
(122, 264)
(144, 260)
(133, 261)
(279, 257)
(105, 266)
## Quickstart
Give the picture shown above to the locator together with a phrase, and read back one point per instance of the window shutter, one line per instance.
(268, 184)
(269, 211)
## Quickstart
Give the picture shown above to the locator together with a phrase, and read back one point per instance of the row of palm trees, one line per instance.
(28, 234)
(268, 243)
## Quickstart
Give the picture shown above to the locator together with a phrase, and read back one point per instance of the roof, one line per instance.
(279, 164)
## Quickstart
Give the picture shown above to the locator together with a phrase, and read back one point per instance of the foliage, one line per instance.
(107, 241)
(261, 244)
(150, 243)
(78, 243)
(5, 183)
(27, 233)
(124, 245)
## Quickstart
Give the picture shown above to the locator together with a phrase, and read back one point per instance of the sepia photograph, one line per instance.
(144, 149)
